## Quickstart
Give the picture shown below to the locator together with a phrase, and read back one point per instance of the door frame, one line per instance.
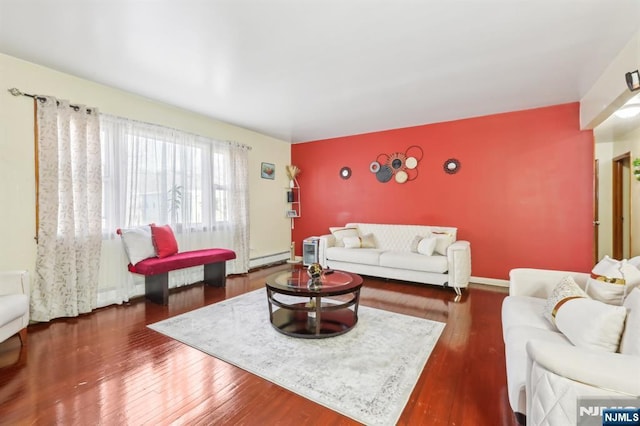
(618, 213)
(596, 210)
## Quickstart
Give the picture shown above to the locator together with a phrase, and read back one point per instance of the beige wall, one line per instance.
(605, 152)
(608, 94)
(270, 230)
(610, 91)
(631, 143)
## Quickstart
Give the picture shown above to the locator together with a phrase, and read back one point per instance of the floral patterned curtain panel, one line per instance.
(70, 210)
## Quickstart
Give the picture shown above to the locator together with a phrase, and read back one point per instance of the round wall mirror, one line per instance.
(451, 166)
(345, 173)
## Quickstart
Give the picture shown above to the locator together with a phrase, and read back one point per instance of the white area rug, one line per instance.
(367, 373)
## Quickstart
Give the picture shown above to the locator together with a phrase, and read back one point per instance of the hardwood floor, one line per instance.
(108, 368)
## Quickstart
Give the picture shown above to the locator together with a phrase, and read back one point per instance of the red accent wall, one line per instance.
(523, 196)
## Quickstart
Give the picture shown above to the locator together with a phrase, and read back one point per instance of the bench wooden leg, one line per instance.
(215, 274)
(156, 288)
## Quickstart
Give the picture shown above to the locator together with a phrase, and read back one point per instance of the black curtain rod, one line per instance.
(17, 92)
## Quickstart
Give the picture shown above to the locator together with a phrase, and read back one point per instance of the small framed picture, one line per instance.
(292, 213)
(267, 171)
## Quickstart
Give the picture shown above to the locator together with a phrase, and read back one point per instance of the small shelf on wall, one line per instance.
(294, 207)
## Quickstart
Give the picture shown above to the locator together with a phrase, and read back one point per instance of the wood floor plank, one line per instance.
(107, 367)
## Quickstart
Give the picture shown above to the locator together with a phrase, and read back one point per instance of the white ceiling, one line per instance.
(303, 70)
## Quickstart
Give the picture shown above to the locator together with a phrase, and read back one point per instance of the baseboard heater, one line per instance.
(268, 259)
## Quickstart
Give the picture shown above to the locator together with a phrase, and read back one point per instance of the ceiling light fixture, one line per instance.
(628, 111)
(633, 80)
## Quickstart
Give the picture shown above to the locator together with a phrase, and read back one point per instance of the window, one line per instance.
(153, 174)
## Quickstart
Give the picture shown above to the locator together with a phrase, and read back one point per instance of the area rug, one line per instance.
(367, 374)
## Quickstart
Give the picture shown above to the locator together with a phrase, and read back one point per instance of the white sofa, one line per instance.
(14, 304)
(546, 373)
(392, 257)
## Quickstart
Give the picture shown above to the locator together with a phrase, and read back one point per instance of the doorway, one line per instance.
(596, 210)
(621, 208)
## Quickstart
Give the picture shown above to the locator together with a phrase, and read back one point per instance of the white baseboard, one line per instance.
(268, 259)
(489, 281)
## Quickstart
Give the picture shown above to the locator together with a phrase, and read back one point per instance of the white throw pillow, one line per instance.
(443, 241)
(340, 233)
(138, 243)
(635, 261)
(414, 243)
(631, 277)
(611, 280)
(427, 245)
(565, 290)
(351, 242)
(366, 241)
(591, 324)
(630, 341)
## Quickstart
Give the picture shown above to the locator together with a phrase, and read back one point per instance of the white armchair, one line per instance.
(14, 304)
(546, 373)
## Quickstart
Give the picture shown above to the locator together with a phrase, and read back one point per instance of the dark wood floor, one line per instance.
(109, 368)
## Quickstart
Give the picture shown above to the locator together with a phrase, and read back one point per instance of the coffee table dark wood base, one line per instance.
(322, 308)
(302, 324)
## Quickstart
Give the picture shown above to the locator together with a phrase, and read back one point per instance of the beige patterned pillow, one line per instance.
(368, 241)
(564, 291)
(443, 241)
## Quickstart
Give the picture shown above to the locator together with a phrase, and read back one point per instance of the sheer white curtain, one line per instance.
(154, 174)
(69, 205)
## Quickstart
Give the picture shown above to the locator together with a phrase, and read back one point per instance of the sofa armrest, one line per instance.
(540, 282)
(14, 282)
(325, 242)
(605, 370)
(459, 260)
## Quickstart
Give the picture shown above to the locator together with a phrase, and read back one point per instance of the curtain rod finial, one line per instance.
(15, 92)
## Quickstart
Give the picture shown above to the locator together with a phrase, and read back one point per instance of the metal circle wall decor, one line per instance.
(401, 176)
(399, 166)
(345, 173)
(384, 174)
(415, 151)
(382, 159)
(451, 166)
(396, 161)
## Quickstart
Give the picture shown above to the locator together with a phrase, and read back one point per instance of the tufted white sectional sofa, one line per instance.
(546, 372)
(392, 257)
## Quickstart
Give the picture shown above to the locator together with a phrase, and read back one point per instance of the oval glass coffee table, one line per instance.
(311, 314)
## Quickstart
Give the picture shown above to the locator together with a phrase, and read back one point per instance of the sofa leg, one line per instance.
(521, 418)
(458, 291)
(23, 336)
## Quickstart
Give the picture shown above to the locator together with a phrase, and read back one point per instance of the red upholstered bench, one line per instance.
(156, 270)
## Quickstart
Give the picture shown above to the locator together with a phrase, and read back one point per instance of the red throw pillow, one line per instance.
(164, 241)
